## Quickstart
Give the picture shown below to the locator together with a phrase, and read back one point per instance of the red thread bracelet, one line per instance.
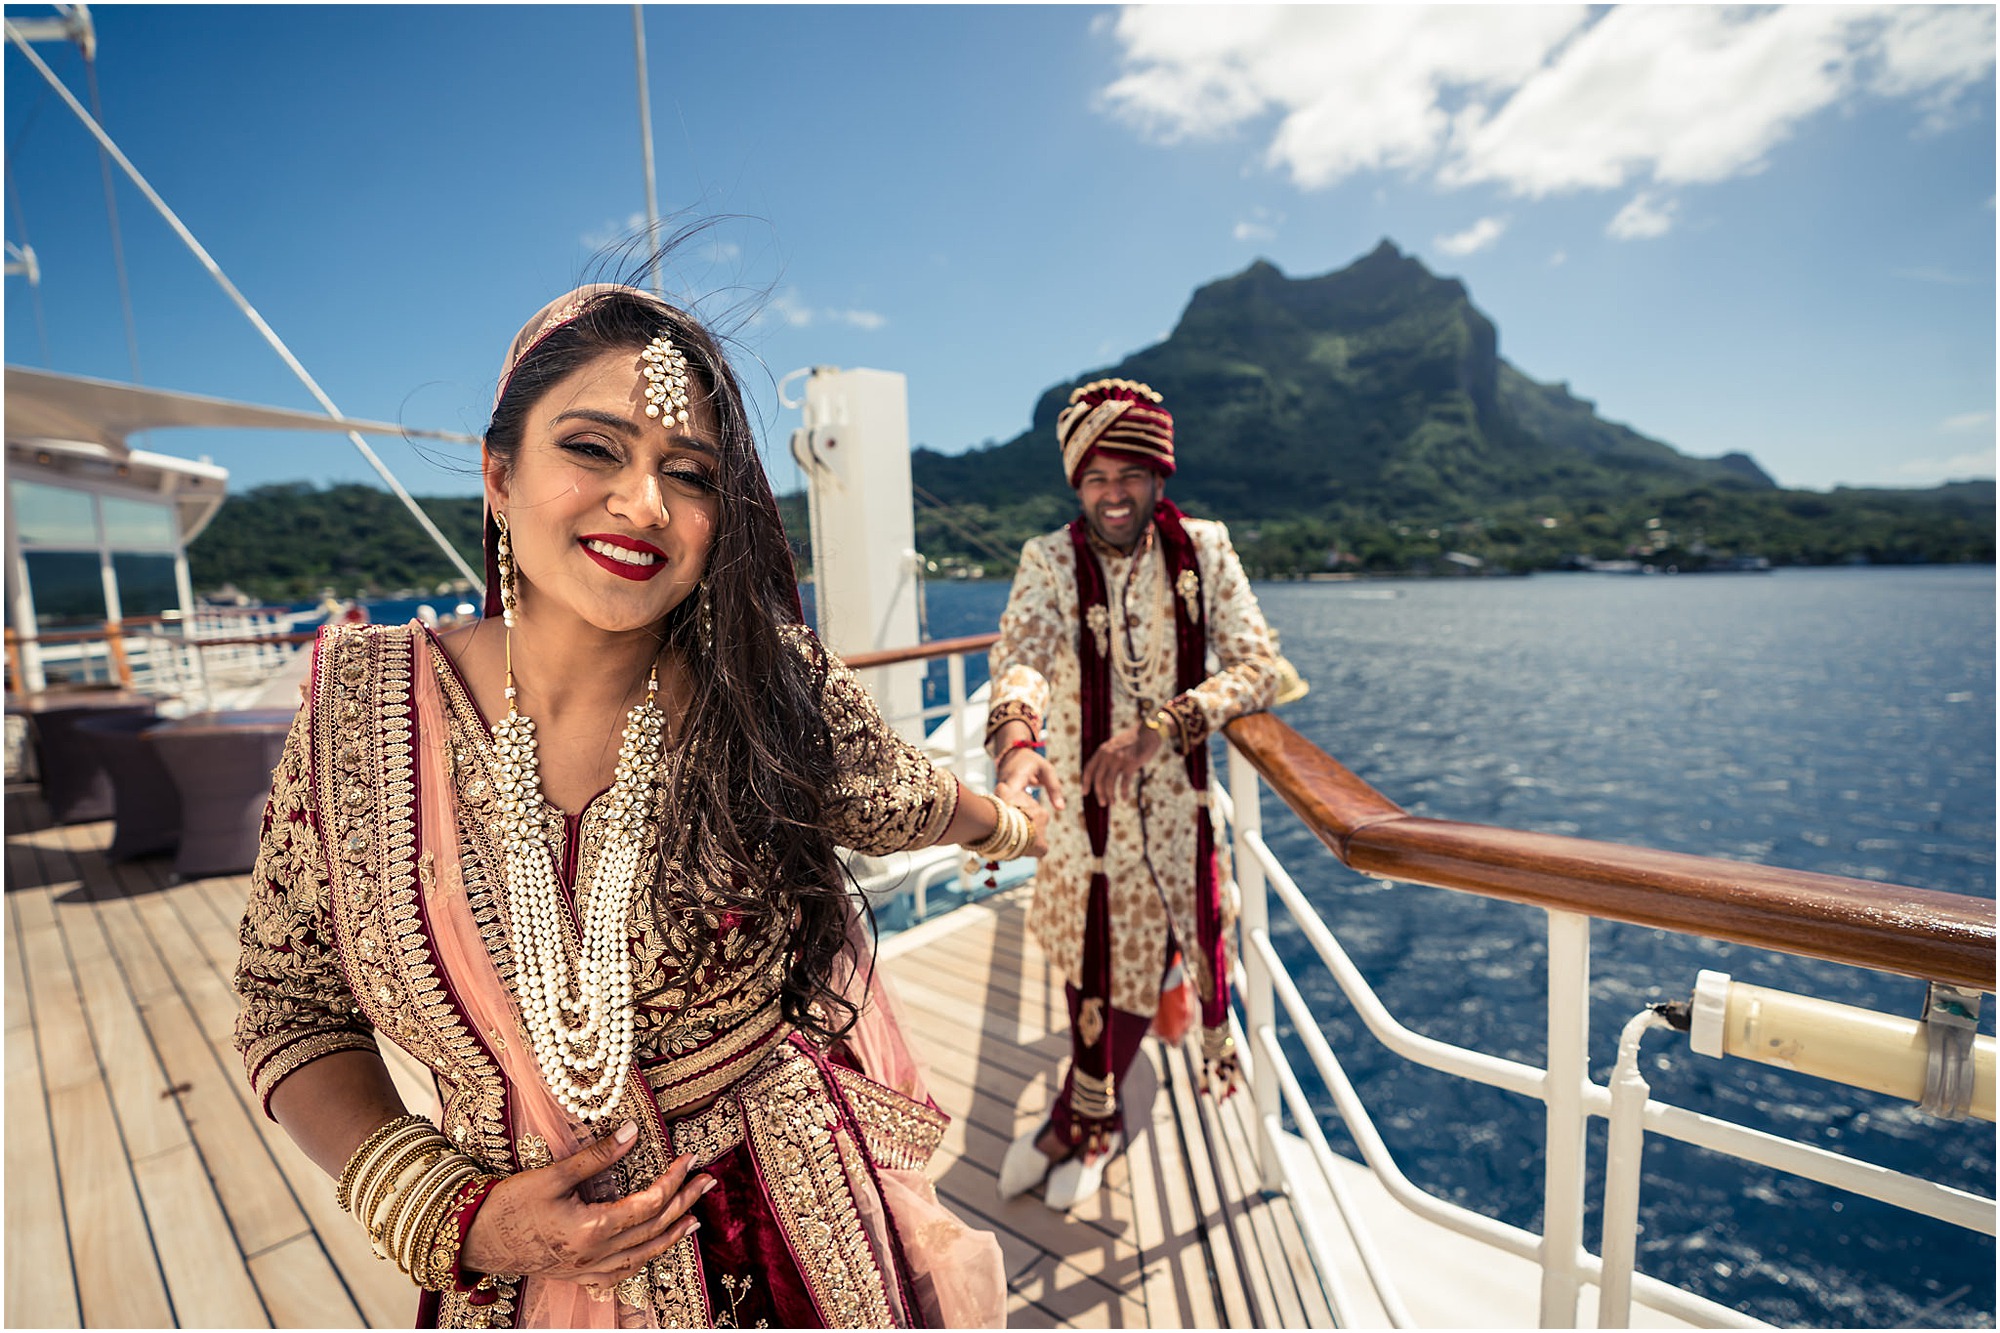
(1012, 746)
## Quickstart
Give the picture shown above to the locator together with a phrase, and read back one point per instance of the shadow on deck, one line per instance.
(145, 1187)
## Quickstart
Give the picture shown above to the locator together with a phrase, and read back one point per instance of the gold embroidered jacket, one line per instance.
(1149, 857)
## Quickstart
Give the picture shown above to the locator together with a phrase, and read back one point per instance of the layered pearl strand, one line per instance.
(1136, 671)
(579, 1025)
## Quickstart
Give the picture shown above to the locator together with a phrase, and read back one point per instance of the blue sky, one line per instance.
(1770, 231)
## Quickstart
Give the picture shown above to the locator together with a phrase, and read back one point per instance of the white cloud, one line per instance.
(1931, 273)
(1959, 467)
(611, 231)
(1261, 225)
(1968, 421)
(1934, 55)
(788, 306)
(1474, 238)
(1538, 100)
(1643, 217)
(860, 319)
(1557, 259)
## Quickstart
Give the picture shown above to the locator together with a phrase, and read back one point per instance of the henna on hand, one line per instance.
(537, 1223)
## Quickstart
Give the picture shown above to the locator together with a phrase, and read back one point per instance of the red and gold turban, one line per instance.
(1123, 416)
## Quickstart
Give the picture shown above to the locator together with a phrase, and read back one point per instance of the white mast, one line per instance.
(646, 146)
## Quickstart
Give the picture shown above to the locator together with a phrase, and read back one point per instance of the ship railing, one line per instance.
(954, 738)
(167, 657)
(1937, 937)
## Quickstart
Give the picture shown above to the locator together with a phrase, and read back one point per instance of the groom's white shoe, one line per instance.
(1073, 1180)
(1024, 1165)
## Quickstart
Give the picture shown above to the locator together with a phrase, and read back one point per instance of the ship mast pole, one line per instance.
(646, 147)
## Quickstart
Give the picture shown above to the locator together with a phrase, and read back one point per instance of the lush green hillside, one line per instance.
(1361, 420)
(1341, 421)
(292, 542)
(1379, 386)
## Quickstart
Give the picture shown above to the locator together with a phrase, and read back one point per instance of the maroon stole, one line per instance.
(1205, 960)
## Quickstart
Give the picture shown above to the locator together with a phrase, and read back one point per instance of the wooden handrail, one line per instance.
(972, 643)
(1920, 933)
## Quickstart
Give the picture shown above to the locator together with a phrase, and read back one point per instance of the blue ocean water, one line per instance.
(1832, 720)
(1840, 721)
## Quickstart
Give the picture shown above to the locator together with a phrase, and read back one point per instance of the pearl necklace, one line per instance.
(1138, 671)
(579, 1025)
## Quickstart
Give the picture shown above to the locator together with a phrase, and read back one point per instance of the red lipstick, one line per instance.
(639, 572)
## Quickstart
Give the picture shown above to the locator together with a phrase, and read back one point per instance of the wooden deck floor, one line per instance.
(144, 1187)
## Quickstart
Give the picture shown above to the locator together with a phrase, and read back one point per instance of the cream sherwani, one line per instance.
(1149, 856)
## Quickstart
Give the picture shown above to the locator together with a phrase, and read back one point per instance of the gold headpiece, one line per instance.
(1102, 389)
(666, 372)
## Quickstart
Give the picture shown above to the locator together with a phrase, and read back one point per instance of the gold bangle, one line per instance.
(447, 1242)
(342, 1191)
(383, 1174)
(1024, 832)
(412, 1206)
(380, 1206)
(430, 1205)
(996, 842)
(1007, 835)
(1021, 829)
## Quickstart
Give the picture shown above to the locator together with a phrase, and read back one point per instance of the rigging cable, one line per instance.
(21, 225)
(944, 515)
(111, 211)
(27, 255)
(242, 303)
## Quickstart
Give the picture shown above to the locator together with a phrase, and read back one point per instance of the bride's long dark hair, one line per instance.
(748, 785)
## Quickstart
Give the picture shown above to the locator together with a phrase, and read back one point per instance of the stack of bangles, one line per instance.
(417, 1196)
(1013, 833)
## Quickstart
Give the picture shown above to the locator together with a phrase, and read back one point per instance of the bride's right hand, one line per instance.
(535, 1223)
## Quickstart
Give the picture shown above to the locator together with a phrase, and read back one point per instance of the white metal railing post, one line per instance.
(960, 761)
(954, 675)
(1624, 1155)
(1259, 1010)
(1568, 1073)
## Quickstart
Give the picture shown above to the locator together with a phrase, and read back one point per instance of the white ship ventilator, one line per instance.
(867, 579)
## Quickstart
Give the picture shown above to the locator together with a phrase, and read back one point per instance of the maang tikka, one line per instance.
(666, 372)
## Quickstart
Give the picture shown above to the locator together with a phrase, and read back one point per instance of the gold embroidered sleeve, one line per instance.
(1248, 678)
(296, 1006)
(889, 796)
(1032, 633)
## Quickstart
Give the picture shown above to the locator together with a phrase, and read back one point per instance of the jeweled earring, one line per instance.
(503, 556)
(704, 622)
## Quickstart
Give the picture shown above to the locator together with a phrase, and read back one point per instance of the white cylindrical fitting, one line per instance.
(1858, 1047)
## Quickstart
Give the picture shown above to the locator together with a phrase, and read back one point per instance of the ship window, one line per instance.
(68, 588)
(146, 584)
(137, 525)
(54, 516)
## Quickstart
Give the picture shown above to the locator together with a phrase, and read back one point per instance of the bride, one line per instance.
(578, 859)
